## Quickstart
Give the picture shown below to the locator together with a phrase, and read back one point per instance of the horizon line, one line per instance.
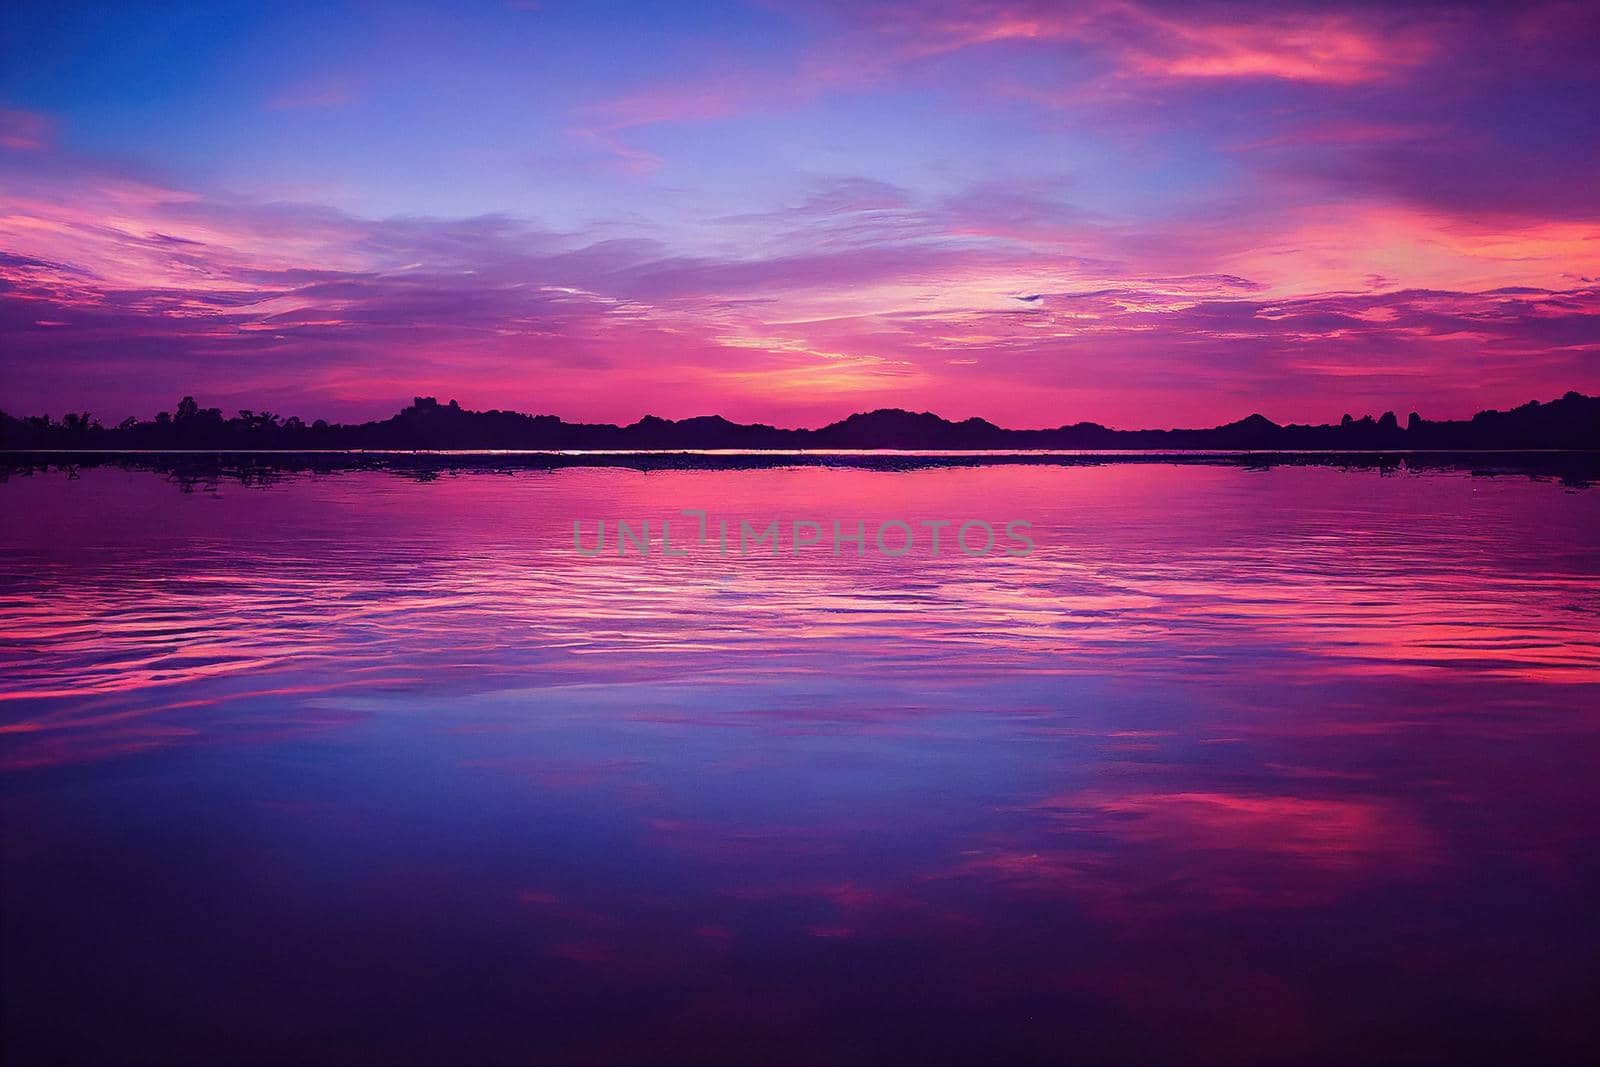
(452, 404)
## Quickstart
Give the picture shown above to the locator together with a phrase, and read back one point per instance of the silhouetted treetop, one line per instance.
(1572, 422)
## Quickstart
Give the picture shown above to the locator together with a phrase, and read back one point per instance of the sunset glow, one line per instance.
(1142, 214)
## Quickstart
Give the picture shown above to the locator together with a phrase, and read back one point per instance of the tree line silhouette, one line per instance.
(1571, 422)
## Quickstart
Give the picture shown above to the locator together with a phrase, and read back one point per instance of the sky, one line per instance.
(1135, 213)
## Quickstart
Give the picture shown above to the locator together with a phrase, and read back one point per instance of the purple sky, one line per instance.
(1137, 213)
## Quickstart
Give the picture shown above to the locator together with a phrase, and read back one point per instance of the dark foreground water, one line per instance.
(1273, 767)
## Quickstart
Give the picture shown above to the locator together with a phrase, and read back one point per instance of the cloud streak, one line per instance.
(1138, 213)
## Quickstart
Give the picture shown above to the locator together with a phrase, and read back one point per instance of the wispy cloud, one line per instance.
(24, 131)
(165, 291)
(1130, 210)
(316, 95)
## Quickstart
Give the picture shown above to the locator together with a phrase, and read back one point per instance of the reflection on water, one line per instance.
(1239, 767)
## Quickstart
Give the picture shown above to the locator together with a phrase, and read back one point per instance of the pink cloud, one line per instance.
(673, 103)
(314, 96)
(24, 131)
(1145, 40)
(1002, 301)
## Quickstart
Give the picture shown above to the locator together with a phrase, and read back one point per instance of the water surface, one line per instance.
(1240, 766)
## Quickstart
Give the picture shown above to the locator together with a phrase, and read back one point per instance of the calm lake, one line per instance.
(1239, 766)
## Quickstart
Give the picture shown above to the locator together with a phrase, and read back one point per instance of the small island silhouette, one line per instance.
(1569, 423)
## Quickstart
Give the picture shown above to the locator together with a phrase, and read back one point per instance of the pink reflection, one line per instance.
(471, 581)
(1233, 752)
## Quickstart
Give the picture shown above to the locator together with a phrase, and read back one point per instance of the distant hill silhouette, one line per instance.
(1572, 422)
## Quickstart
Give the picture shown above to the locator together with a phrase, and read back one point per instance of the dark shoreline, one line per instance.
(1575, 468)
(1570, 422)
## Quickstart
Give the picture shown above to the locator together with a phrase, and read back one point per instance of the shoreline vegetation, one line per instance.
(1571, 423)
(191, 470)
